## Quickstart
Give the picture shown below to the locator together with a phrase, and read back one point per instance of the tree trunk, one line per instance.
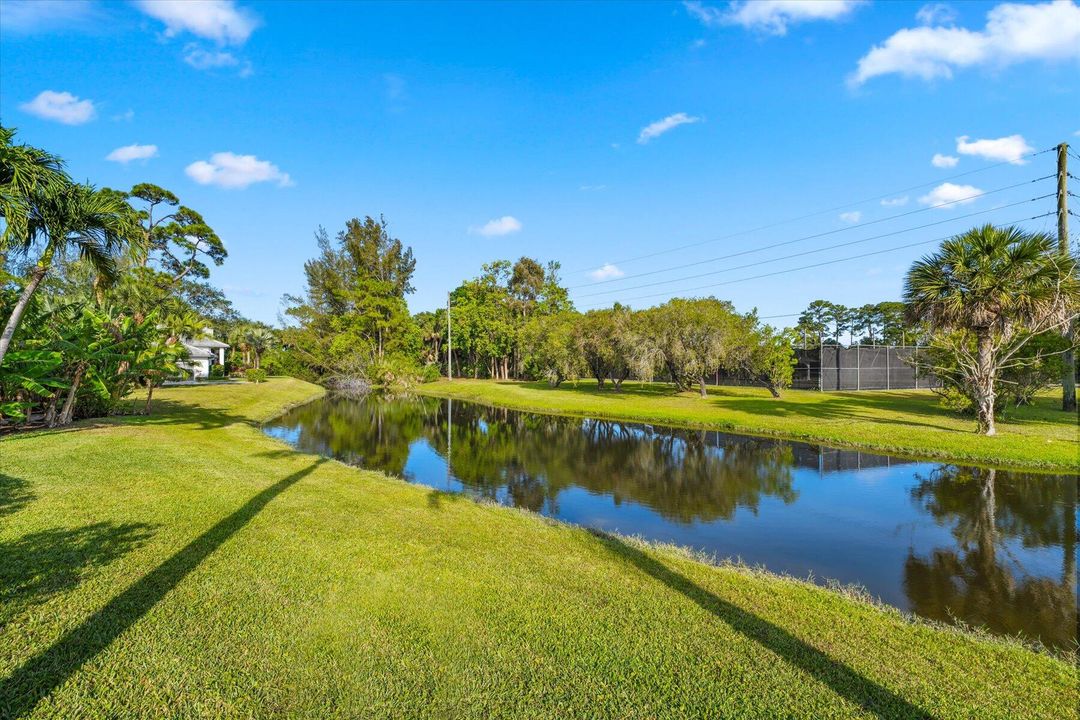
(149, 396)
(68, 412)
(701, 386)
(36, 276)
(984, 383)
(50, 411)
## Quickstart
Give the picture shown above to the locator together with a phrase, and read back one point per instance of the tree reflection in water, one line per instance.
(978, 581)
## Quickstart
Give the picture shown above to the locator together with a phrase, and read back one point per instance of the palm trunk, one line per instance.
(984, 383)
(68, 412)
(50, 411)
(36, 276)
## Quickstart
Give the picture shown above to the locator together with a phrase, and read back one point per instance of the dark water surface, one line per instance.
(989, 547)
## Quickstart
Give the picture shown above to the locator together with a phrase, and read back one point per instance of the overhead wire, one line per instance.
(815, 236)
(816, 213)
(815, 250)
(812, 266)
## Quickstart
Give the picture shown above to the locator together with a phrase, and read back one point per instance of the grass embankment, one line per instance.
(187, 565)
(903, 422)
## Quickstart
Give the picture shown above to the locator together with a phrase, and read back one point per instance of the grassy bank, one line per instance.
(187, 565)
(905, 422)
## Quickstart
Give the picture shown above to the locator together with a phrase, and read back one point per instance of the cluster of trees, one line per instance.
(829, 323)
(97, 287)
(683, 341)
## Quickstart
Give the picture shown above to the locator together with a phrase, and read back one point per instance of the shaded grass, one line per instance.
(214, 572)
(901, 422)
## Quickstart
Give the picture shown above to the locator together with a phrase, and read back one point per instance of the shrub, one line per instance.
(217, 372)
(255, 375)
(431, 373)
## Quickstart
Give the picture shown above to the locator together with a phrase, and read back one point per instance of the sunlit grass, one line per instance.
(187, 565)
(906, 422)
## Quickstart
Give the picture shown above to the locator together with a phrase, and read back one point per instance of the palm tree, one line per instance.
(64, 216)
(259, 339)
(23, 171)
(985, 294)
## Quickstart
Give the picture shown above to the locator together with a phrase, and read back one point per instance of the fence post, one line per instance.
(916, 366)
(888, 379)
(858, 367)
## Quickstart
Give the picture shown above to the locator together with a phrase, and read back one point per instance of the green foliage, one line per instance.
(255, 375)
(353, 311)
(217, 371)
(769, 358)
(986, 294)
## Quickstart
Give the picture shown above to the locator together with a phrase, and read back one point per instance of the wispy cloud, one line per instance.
(944, 161)
(202, 59)
(936, 14)
(606, 271)
(504, 225)
(1013, 33)
(1011, 149)
(62, 107)
(592, 188)
(128, 153)
(948, 195)
(895, 202)
(658, 128)
(852, 217)
(231, 171)
(771, 16)
(126, 116)
(32, 16)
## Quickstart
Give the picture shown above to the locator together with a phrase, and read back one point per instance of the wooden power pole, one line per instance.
(449, 343)
(1068, 379)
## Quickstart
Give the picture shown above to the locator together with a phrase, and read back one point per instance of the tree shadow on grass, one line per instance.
(843, 680)
(15, 494)
(36, 678)
(38, 565)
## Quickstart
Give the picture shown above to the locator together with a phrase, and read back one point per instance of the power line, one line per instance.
(883, 196)
(819, 235)
(811, 252)
(815, 265)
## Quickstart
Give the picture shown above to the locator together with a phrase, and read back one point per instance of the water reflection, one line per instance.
(988, 547)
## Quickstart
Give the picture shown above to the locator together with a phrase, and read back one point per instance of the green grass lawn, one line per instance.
(186, 565)
(902, 422)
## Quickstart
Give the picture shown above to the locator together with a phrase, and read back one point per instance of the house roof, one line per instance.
(196, 352)
(205, 343)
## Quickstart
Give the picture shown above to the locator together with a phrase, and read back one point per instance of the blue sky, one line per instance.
(592, 134)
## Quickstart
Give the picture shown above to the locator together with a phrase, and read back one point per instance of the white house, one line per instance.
(203, 354)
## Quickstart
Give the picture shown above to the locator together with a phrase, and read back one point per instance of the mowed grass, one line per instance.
(903, 422)
(186, 565)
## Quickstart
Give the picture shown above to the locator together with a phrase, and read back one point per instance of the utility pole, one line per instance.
(1068, 379)
(449, 343)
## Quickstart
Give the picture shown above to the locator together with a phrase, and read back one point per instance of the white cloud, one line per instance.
(30, 16)
(948, 195)
(895, 202)
(1011, 149)
(944, 161)
(126, 116)
(218, 20)
(201, 59)
(606, 272)
(60, 106)
(1014, 33)
(771, 16)
(132, 152)
(936, 14)
(499, 226)
(851, 217)
(229, 170)
(592, 188)
(658, 128)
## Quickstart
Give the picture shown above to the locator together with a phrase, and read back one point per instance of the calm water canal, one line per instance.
(989, 547)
